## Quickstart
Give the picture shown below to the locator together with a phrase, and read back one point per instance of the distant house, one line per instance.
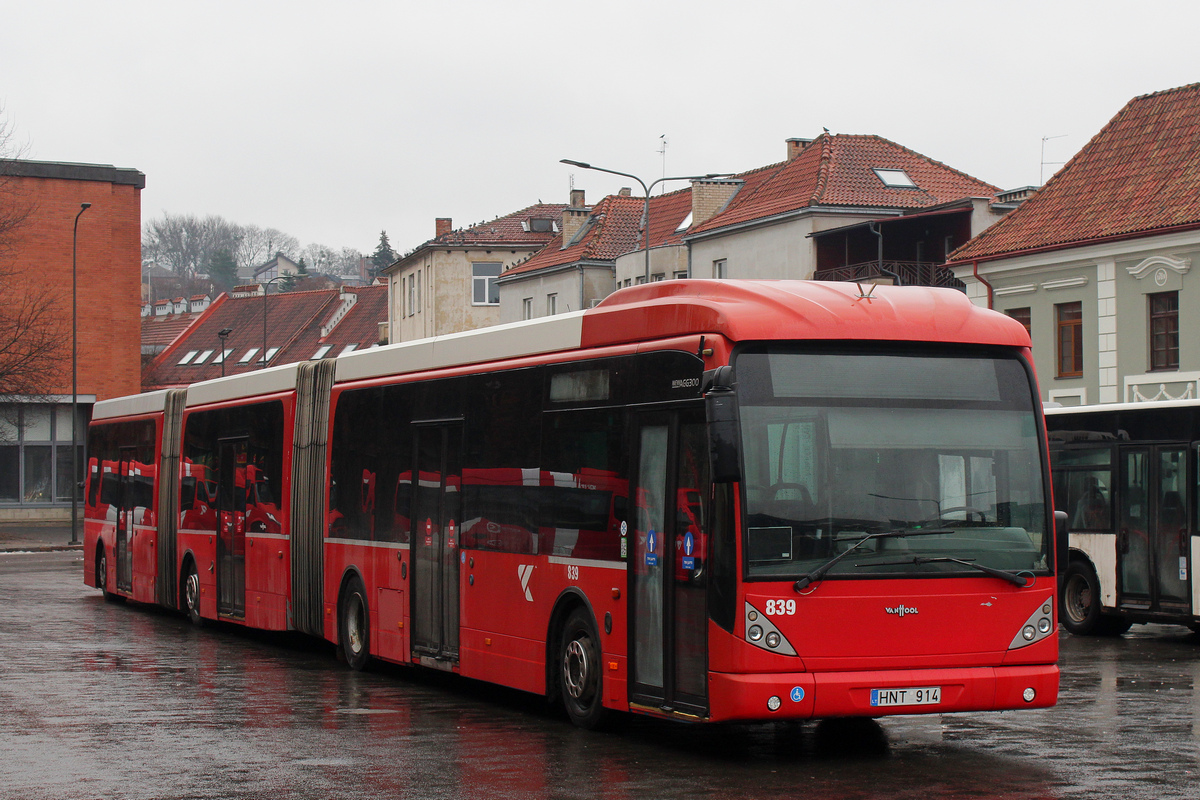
(448, 284)
(289, 327)
(1096, 264)
(278, 266)
(825, 212)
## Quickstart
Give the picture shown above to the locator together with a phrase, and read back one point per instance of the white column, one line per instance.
(1106, 327)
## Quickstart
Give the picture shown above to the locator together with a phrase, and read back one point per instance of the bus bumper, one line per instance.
(801, 695)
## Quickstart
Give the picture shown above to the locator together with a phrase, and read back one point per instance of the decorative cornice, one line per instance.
(1148, 265)
(1065, 283)
(1024, 288)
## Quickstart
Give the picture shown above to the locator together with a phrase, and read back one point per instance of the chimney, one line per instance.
(573, 218)
(441, 226)
(794, 146)
(709, 197)
(625, 192)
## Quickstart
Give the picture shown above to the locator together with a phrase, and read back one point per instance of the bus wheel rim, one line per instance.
(354, 624)
(577, 668)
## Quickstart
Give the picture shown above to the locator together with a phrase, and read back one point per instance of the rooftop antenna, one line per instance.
(1042, 172)
(662, 151)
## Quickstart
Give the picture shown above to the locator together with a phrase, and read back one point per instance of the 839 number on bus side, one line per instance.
(780, 608)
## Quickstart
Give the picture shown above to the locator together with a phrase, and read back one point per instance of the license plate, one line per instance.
(909, 696)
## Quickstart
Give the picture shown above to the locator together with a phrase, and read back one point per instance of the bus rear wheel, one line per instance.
(102, 574)
(580, 677)
(356, 625)
(191, 594)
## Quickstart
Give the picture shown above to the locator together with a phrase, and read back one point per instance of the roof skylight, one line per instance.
(188, 358)
(895, 178)
(321, 351)
(686, 223)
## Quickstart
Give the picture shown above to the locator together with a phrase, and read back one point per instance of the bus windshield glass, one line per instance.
(939, 451)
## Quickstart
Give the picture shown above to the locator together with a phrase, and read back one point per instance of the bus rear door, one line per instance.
(125, 518)
(231, 528)
(667, 562)
(1153, 540)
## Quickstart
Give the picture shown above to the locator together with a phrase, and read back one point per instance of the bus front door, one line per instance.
(668, 563)
(1153, 541)
(231, 527)
(125, 519)
(437, 513)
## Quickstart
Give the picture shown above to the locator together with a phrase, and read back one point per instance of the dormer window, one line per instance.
(541, 225)
(895, 178)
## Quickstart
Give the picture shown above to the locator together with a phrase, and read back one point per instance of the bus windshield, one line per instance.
(839, 445)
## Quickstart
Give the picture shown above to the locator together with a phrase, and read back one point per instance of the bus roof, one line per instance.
(740, 310)
(1144, 406)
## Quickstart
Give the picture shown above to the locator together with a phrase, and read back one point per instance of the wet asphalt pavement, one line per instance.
(110, 700)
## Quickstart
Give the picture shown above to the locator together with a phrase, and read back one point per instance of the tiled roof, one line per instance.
(1139, 174)
(509, 229)
(158, 331)
(294, 322)
(614, 228)
(838, 170)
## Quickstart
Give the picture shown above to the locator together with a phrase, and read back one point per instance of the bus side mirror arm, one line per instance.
(724, 432)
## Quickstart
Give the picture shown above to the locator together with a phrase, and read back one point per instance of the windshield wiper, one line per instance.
(820, 571)
(1015, 578)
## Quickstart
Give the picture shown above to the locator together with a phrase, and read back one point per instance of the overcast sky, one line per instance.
(334, 121)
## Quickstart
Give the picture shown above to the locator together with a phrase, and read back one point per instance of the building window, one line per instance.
(200, 359)
(720, 268)
(1164, 330)
(411, 281)
(35, 452)
(321, 351)
(895, 178)
(484, 291)
(1022, 316)
(1070, 339)
(680, 275)
(527, 308)
(188, 358)
(551, 304)
(658, 276)
(221, 355)
(249, 355)
(271, 351)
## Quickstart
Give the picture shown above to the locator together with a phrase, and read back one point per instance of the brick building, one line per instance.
(35, 432)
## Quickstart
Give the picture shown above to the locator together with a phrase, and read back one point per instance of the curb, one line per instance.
(41, 548)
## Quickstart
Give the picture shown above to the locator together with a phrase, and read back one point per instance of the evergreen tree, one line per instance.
(384, 256)
(222, 270)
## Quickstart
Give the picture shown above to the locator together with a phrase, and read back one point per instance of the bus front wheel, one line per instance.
(356, 625)
(1081, 611)
(580, 676)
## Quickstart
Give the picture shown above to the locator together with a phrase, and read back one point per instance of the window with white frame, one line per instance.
(188, 358)
(720, 268)
(551, 304)
(527, 308)
(484, 290)
(321, 351)
(249, 355)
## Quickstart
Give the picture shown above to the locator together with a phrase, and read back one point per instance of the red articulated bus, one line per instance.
(701, 500)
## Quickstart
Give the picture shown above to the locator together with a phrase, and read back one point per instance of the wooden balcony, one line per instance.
(912, 273)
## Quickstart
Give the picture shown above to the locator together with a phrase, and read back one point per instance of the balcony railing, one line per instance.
(912, 273)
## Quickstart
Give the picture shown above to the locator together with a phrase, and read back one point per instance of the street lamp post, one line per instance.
(222, 334)
(264, 345)
(646, 192)
(75, 378)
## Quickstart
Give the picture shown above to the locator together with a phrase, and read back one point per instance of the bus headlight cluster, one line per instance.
(1039, 625)
(761, 632)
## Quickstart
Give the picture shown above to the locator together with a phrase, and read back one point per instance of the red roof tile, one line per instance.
(294, 323)
(838, 170)
(1138, 175)
(509, 229)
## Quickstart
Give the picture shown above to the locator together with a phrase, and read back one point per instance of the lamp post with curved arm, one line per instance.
(75, 377)
(264, 346)
(646, 192)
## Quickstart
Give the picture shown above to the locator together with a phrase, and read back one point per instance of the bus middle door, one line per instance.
(437, 514)
(231, 527)
(125, 518)
(1153, 541)
(668, 562)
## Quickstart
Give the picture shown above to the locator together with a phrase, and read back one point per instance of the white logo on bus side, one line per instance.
(525, 572)
(901, 610)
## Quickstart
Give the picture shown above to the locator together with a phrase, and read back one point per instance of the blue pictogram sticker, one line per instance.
(651, 541)
(689, 562)
(797, 694)
(689, 543)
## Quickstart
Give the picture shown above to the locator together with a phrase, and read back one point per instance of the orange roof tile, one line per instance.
(1140, 174)
(838, 170)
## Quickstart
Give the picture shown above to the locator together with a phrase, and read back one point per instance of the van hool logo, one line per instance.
(901, 610)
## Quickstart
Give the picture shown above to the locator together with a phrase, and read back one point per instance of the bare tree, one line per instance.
(33, 331)
(257, 246)
(186, 244)
(319, 258)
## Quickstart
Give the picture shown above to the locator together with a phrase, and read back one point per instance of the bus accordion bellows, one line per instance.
(1126, 474)
(699, 500)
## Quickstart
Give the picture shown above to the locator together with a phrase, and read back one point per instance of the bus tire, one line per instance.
(355, 625)
(102, 575)
(580, 677)
(1080, 606)
(190, 589)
